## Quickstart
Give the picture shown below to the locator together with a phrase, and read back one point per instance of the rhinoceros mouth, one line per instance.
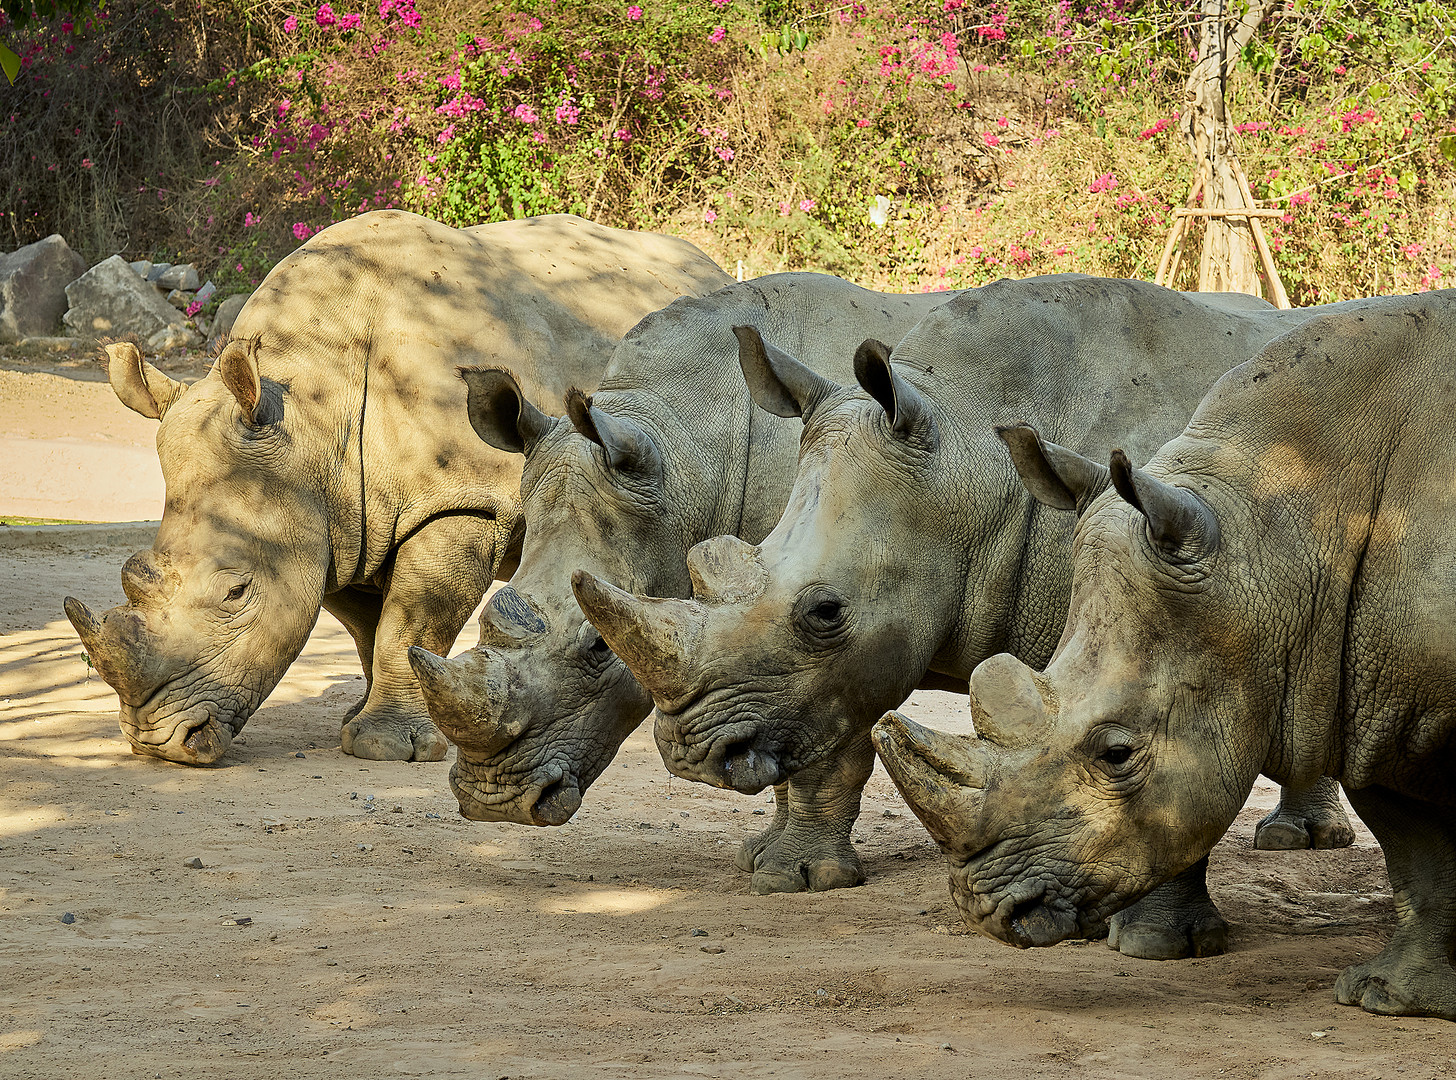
(741, 756)
(1028, 914)
(197, 736)
(549, 796)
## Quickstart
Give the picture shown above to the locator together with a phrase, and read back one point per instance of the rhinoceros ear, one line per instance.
(237, 367)
(141, 387)
(1053, 475)
(626, 446)
(777, 382)
(1178, 521)
(908, 410)
(499, 411)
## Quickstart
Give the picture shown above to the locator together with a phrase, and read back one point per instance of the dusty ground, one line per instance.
(570, 952)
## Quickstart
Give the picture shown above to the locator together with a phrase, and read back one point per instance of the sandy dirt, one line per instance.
(312, 942)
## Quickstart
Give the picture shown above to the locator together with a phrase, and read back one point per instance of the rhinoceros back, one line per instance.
(367, 322)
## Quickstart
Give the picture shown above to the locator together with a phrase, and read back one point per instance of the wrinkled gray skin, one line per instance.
(1271, 593)
(669, 451)
(326, 460)
(909, 550)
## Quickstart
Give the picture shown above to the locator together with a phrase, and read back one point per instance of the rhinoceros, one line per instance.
(1273, 592)
(909, 551)
(668, 451)
(326, 460)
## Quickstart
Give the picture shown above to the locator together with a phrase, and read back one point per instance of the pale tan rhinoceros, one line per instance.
(327, 460)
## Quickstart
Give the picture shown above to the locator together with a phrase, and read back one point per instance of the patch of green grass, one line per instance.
(13, 521)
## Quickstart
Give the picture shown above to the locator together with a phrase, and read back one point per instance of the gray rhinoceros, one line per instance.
(326, 460)
(669, 451)
(908, 550)
(1273, 592)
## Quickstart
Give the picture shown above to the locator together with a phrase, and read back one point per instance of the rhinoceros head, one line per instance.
(225, 599)
(791, 648)
(541, 705)
(1089, 784)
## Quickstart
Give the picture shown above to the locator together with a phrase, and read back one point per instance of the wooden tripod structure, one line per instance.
(1233, 235)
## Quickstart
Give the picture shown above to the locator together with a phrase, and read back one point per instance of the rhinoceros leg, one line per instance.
(1413, 975)
(1306, 817)
(753, 846)
(812, 849)
(439, 574)
(1175, 920)
(359, 613)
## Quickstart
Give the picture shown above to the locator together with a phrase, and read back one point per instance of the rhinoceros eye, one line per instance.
(236, 592)
(1115, 755)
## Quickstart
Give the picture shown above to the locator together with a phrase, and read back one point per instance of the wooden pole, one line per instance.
(1173, 251)
(1276, 285)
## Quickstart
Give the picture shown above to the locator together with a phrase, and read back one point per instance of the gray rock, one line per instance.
(180, 276)
(157, 270)
(68, 918)
(193, 863)
(206, 292)
(227, 314)
(110, 299)
(33, 284)
(695, 932)
(179, 299)
(143, 267)
(172, 338)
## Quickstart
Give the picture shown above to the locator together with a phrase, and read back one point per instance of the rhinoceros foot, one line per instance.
(1399, 984)
(797, 858)
(1306, 819)
(1176, 920)
(382, 736)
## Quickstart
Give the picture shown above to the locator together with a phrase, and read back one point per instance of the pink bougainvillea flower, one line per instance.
(351, 21)
(283, 106)
(783, 209)
(193, 308)
(249, 220)
(710, 216)
(538, 136)
(290, 24)
(568, 112)
(717, 35)
(301, 231)
(1105, 182)
(524, 113)
(634, 13)
(807, 204)
(446, 135)
(324, 16)
(624, 135)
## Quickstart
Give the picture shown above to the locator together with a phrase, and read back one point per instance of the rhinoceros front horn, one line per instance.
(88, 626)
(457, 696)
(655, 638)
(943, 778)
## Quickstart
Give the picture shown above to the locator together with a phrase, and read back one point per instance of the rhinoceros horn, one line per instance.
(460, 704)
(943, 778)
(726, 570)
(118, 647)
(1010, 706)
(656, 638)
(141, 387)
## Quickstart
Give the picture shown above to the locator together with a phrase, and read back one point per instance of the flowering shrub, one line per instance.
(930, 143)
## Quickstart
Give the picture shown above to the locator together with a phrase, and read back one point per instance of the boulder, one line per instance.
(172, 338)
(110, 299)
(181, 276)
(179, 299)
(143, 267)
(156, 271)
(33, 284)
(227, 314)
(205, 293)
